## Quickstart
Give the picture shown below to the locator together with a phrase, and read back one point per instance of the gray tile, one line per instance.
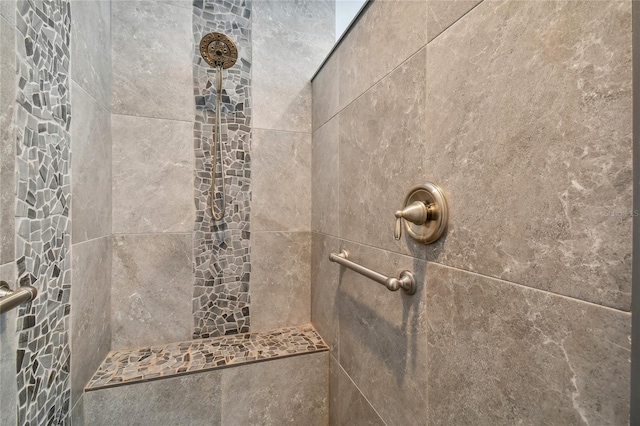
(289, 391)
(7, 141)
(533, 145)
(280, 279)
(152, 60)
(325, 277)
(281, 184)
(382, 157)
(152, 163)
(173, 401)
(91, 310)
(503, 354)
(348, 405)
(289, 42)
(90, 48)
(152, 289)
(386, 35)
(8, 348)
(441, 14)
(325, 178)
(326, 92)
(91, 165)
(8, 11)
(383, 335)
(77, 413)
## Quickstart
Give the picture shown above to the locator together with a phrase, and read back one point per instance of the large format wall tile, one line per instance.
(386, 35)
(151, 60)
(8, 348)
(287, 391)
(325, 277)
(152, 175)
(91, 164)
(325, 102)
(503, 354)
(152, 286)
(185, 400)
(383, 335)
(280, 280)
(443, 13)
(382, 156)
(8, 10)
(91, 47)
(91, 310)
(348, 406)
(7, 138)
(532, 143)
(281, 196)
(290, 40)
(325, 178)
(77, 413)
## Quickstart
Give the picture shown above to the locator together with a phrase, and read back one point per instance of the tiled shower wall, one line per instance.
(521, 112)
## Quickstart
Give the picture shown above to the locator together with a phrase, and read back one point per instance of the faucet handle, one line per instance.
(425, 213)
(417, 212)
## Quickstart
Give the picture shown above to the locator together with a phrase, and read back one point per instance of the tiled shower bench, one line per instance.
(243, 379)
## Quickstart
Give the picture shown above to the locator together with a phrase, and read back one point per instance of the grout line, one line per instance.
(77, 83)
(283, 131)
(153, 118)
(90, 240)
(117, 234)
(454, 22)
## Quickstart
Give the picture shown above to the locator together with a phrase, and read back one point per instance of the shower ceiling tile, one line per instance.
(529, 134)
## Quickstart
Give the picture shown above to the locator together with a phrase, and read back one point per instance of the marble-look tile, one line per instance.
(151, 60)
(179, 3)
(151, 290)
(348, 406)
(288, 391)
(289, 42)
(326, 92)
(325, 277)
(172, 401)
(529, 134)
(280, 279)
(90, 48)
(325, 178)
(8, 348)
(281, 181)
(504, 354)
(7, 140)
(383, 335)
(152, 163)
(386, 35)
(8, 11)
(77, 413)
(91, 310)
(441, 14)
(382, 157)
(91, 165)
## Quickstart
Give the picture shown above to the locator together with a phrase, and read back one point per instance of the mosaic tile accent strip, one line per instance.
(42, 209)
(222, 252)
(129, 366)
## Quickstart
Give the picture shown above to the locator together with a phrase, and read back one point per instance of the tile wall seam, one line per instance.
(153, 118)
(91, 240)
(8, 23)
(454, 22)
(283, 130)
(77, 83)
(478, 274)
(117, 234)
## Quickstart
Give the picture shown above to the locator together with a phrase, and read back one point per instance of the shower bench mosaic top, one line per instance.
(127, 366)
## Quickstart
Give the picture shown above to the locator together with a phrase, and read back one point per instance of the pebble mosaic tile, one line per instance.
(135, 365)
(42, 209)
(221, 249)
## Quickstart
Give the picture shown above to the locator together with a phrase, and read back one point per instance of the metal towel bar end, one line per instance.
(406, 281)
(10, 299)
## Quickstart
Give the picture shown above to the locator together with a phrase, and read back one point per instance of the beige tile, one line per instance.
(91, 164)
(326, 92)
(382, 157)
(152, 164)
(8, 85)
(503, 354)
(8, 348)
(289, 42)
(287, 391)
(529, 134)
(441, 14)
(383, 335)
(91, 310)
(325, 178)
(325, 277)
(151, 56)
(281, 181)
(280, 280)
(152, 289)
(386, 35)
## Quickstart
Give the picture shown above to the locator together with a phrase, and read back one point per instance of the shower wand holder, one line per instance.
(425, 214)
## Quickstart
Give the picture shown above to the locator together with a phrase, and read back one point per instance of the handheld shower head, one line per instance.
(218, 50)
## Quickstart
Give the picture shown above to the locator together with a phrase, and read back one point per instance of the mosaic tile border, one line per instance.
(124, 367)
(221, 249)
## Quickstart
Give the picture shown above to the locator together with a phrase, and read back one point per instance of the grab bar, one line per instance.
(407, 281)
(10, 299)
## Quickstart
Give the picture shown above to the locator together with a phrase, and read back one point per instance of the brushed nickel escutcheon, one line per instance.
(425, 213)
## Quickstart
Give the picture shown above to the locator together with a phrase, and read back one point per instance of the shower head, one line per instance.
(218, 49)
